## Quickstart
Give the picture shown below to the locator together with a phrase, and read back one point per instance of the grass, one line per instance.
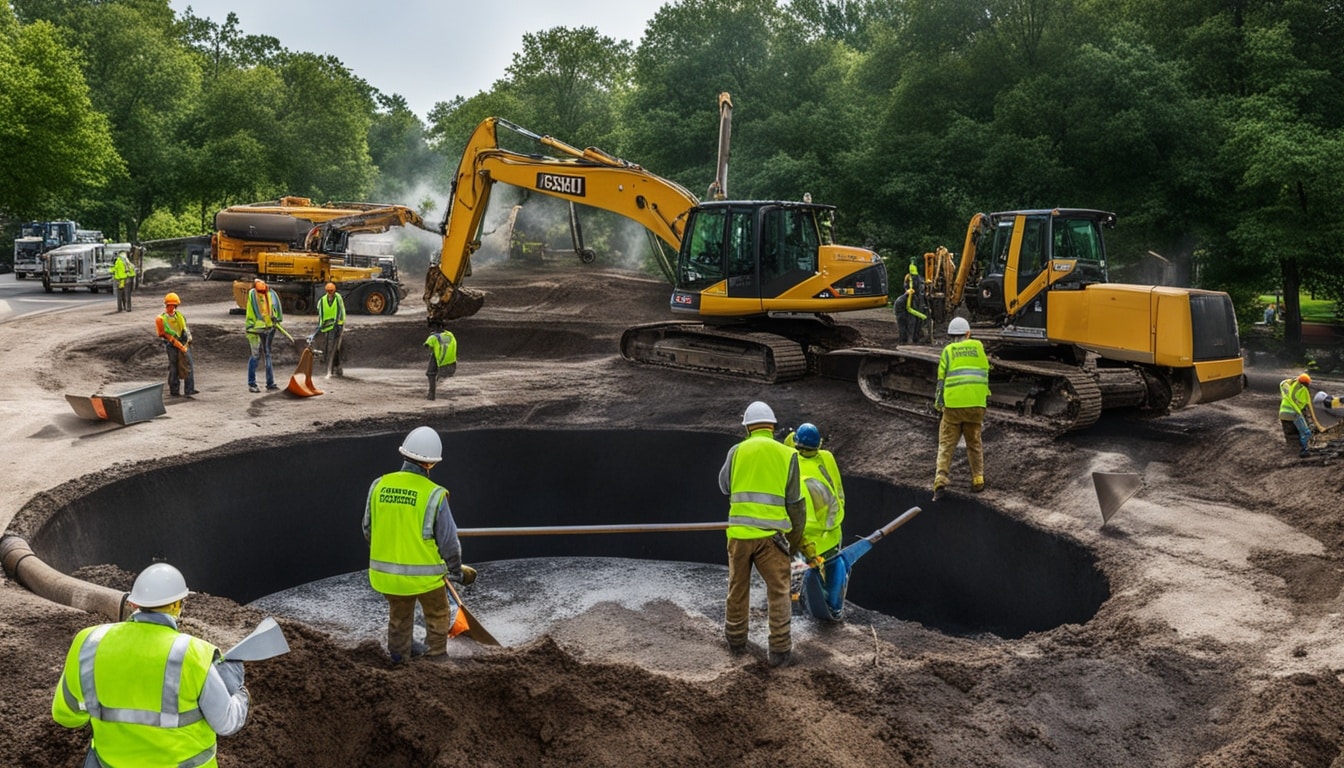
(1313, 310)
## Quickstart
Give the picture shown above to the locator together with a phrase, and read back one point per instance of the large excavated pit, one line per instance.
(248, 523)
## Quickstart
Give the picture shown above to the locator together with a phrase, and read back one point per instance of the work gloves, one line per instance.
(232, 673)
(468, 575)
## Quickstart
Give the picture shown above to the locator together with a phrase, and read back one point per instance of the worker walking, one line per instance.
(123, 275)
(172, 328)
(1294, 408)
(154, 696)
(331, 324)
(766, 520)
(961, 397)
(413, 547)
(264, 313)
(442, 358)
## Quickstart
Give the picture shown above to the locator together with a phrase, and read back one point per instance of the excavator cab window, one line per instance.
(742, 267)
(701, 261)
(1080, 239)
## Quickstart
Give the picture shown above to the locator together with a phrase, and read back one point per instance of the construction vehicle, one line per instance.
(79, 265)
(1064, 343)
(36, 238)
(757, 275)
(298, 247)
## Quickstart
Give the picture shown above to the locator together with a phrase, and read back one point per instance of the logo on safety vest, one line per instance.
(565, 185)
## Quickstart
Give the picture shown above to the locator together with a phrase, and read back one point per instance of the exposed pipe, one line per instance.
(27, 569)
(549, 530)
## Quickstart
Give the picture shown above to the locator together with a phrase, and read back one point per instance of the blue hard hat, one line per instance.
(807, 436)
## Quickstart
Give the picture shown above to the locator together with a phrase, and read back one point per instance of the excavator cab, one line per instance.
(745, 258)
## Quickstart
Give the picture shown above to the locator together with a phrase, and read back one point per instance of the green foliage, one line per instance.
(162, 225)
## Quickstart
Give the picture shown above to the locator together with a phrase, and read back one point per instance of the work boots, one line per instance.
(780, 659)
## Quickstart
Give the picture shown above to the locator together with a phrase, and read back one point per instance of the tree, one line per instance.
(567, 82)
(54, 146)
(321, 140)
(406, 165)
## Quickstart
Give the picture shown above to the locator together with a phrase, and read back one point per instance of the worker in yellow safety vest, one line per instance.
(153, 695)
(413, 548)
(264, 313)
(123, 274)
(824, 493)
(1294, 408)
(171, 327)
(331, 323)
(961, 397)
(766, 521)
(442, 359)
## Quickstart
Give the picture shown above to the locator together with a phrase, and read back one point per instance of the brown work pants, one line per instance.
(773, 565)
(401, 622)
(955, 424)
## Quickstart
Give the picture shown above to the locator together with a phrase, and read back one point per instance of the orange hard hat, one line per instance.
(331, 287)
(171, 299)
(1304, 378)
(259, 284)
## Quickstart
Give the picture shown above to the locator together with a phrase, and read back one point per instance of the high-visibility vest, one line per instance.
(172, 326)
(263, 310)
(404, 558)
(1295, 397)
(444, 346)
(759, 474)
(330, 312)
(119, 271)
(825, 497)
(963, 368)
(140, 684)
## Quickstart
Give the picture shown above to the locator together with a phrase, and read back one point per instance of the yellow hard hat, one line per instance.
(171, 299)
(1304, 378)
(331, 287)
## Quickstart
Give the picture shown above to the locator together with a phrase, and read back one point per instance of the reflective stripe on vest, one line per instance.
(759, 474)
(824, 510)
(404, 558)
(119, 731)
(964, 369)
(330, 313)
(445, 351)
(1294, 400)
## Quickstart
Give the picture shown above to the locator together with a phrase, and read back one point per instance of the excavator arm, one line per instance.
(588, 176)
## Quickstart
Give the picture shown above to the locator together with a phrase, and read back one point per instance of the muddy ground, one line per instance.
(1221, 644)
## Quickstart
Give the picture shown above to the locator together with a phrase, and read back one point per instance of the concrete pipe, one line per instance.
(27, 569)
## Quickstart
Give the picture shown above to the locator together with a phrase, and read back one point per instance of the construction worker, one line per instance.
(331, 323)
(961, 396)
(123, 273)
(154, 696)
(442, 358)
(910, 309)
(766, 520)
(413, 547)
(264, 313)
(823, 492)
(1294, 408)
(172, 328)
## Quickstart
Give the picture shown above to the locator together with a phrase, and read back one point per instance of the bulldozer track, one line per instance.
(735, 355)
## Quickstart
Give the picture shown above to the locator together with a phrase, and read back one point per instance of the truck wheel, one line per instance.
(375, 302)
(93, 289)
(19, 275)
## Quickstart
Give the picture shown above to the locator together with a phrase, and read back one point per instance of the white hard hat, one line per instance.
(758, 413)
(958, 327)
(423, 445)
(1320, 397)
(158, 585)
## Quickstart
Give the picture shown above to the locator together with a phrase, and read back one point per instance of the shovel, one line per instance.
(305, 388)
(266, 641)
(824, 598)
(474, 629)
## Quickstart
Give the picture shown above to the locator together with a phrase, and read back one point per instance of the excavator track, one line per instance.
(716, 351)
(1033, 394)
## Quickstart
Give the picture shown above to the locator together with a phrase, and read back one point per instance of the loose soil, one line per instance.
(1220, 646)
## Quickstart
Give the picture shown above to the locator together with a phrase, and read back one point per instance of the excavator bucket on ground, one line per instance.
(1113, 490)
(306, 387)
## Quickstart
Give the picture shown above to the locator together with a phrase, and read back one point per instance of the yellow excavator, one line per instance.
(297, 247)
(1064, 343)
(759, 277)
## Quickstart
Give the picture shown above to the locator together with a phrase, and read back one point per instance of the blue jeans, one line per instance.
(261, 347)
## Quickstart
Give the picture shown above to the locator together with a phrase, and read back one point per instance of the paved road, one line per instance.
(25, 297)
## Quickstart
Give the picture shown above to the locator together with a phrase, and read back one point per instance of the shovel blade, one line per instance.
(1113, 490)
(304, 387)
(265, 642)
(474, 629)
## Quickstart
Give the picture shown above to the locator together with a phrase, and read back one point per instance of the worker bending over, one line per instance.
(155, 697)
(1294, 409)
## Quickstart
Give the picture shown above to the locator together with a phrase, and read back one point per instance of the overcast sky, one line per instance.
(426, 50)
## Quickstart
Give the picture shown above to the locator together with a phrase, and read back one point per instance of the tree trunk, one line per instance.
(1292, 305)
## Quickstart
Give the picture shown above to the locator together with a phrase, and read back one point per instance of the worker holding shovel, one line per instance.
(172, 328)
(264, 313)
(413, 549)
(331, 324)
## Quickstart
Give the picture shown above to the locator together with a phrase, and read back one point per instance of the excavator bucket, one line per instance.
(1113, 490)
(304, 388)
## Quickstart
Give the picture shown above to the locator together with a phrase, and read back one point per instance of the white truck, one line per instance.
(79, 265)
